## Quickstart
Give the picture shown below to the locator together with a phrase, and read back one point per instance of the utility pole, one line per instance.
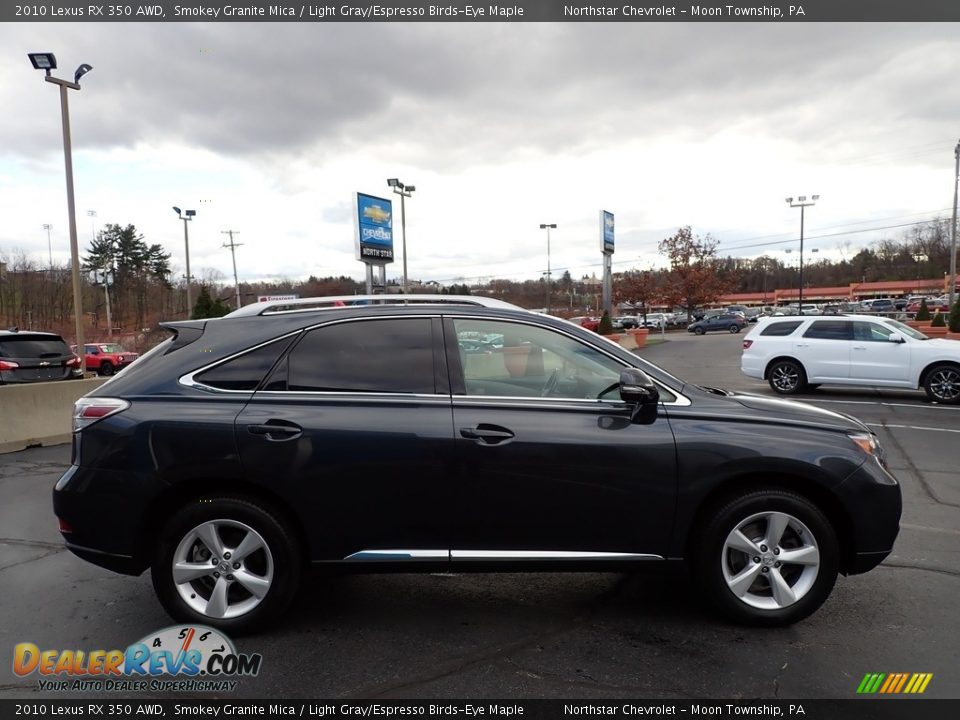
(801, 203)
(953, 231)
(233, 253)
(48, 227)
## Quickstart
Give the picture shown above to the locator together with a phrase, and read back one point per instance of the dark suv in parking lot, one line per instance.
(27, 357)
(382, 437)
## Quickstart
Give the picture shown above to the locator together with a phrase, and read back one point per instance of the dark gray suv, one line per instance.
(27, 357)
(419, 433)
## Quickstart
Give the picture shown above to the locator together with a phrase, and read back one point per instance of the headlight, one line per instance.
(870, 445)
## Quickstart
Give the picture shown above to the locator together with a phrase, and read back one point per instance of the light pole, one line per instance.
(404, 191)
(186, 217)
(233, 254)
(548, 227)
(47, 62)
(802, 203)
(48, 227)
(953, 231)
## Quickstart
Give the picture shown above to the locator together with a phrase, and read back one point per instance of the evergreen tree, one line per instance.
(955, 317)
(606, 324)
(923, 313)
(938, 320)
(203, 308)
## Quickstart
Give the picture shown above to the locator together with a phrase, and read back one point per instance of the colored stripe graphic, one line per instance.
(894, 683)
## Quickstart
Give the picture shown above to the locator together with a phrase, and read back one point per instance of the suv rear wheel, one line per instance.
(787, 377)
(228, 562)
(734, 328)
(768, 557)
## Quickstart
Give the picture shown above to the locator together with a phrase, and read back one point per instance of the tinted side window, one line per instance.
(781, 329)
(830, 330)
(871, 332)
(393, 356)
(245, 371)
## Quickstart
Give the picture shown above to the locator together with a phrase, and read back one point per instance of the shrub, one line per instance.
(955, 317)
(606, 325)
(938, 320)
(923, 314)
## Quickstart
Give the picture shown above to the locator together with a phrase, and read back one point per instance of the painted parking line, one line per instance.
(911, 427)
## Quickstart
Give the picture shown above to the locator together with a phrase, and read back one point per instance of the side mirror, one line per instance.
(637, 389)
(895, 338)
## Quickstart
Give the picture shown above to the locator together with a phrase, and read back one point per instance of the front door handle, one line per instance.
(484, 434)
(276, 430)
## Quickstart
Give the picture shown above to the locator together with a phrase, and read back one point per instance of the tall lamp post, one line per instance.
(548, 227)
(404, 191)
(186, 216)
(48, 62)
(802, 203)
(953, 231)
(48, 227)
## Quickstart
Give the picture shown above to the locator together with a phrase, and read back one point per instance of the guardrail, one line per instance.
(39, 413)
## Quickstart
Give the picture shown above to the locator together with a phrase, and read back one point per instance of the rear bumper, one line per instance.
(105, 511)
(751, 367)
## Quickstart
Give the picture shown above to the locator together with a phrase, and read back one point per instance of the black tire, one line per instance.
(281, 548)
(734, 329)
(712, 560)
(810, 387)
(942, 384)
(106, 368)
(698, 331)
(787, 377)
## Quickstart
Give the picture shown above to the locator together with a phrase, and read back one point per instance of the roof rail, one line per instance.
(338, 302)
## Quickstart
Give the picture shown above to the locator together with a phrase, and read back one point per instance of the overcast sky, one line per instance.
(269, 130)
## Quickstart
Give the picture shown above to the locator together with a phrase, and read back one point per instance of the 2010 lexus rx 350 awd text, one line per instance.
(465, 434)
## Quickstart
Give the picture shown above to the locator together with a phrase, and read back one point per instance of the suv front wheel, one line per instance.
(769, 557)
(227, 562)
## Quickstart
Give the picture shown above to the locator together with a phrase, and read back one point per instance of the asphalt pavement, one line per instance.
(555, 635)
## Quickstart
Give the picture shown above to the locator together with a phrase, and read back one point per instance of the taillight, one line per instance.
(88, 410)
(7, 365)
(747, 344)
(65, 526)
(73, 362)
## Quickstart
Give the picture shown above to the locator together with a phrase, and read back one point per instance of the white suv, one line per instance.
(800, 353)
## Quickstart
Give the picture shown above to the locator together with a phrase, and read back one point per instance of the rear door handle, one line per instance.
(484, 434)
(276, 430)
(859, 347)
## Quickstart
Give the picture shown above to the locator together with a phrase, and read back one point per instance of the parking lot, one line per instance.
(550, 635)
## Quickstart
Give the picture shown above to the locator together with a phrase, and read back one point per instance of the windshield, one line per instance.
(110, 348)
(906, 330)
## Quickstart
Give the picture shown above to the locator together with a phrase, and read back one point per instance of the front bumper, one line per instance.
(874, 504)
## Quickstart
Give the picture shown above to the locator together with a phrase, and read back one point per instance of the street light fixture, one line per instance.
(48, 62)
(802, 202)
(404, 192)
(548, 227)
(186, 217)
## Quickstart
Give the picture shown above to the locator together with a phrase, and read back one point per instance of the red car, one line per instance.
(932, 305)
(590, 323)
(107, 358)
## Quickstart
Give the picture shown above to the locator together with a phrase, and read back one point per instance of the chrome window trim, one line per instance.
(681, 401)
(189, 381)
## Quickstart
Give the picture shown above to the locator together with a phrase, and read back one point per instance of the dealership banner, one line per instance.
(126, 706)
(509, 11)
(373, 229)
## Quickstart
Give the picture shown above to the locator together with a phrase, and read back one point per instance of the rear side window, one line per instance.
(245, 372)
(830, 330)
(32, 346)
(385, 356)
(781, 329)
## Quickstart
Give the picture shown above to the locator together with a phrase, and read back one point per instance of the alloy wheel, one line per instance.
(785, 377)
(945, 384)
(222, 569)
(770, 560)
